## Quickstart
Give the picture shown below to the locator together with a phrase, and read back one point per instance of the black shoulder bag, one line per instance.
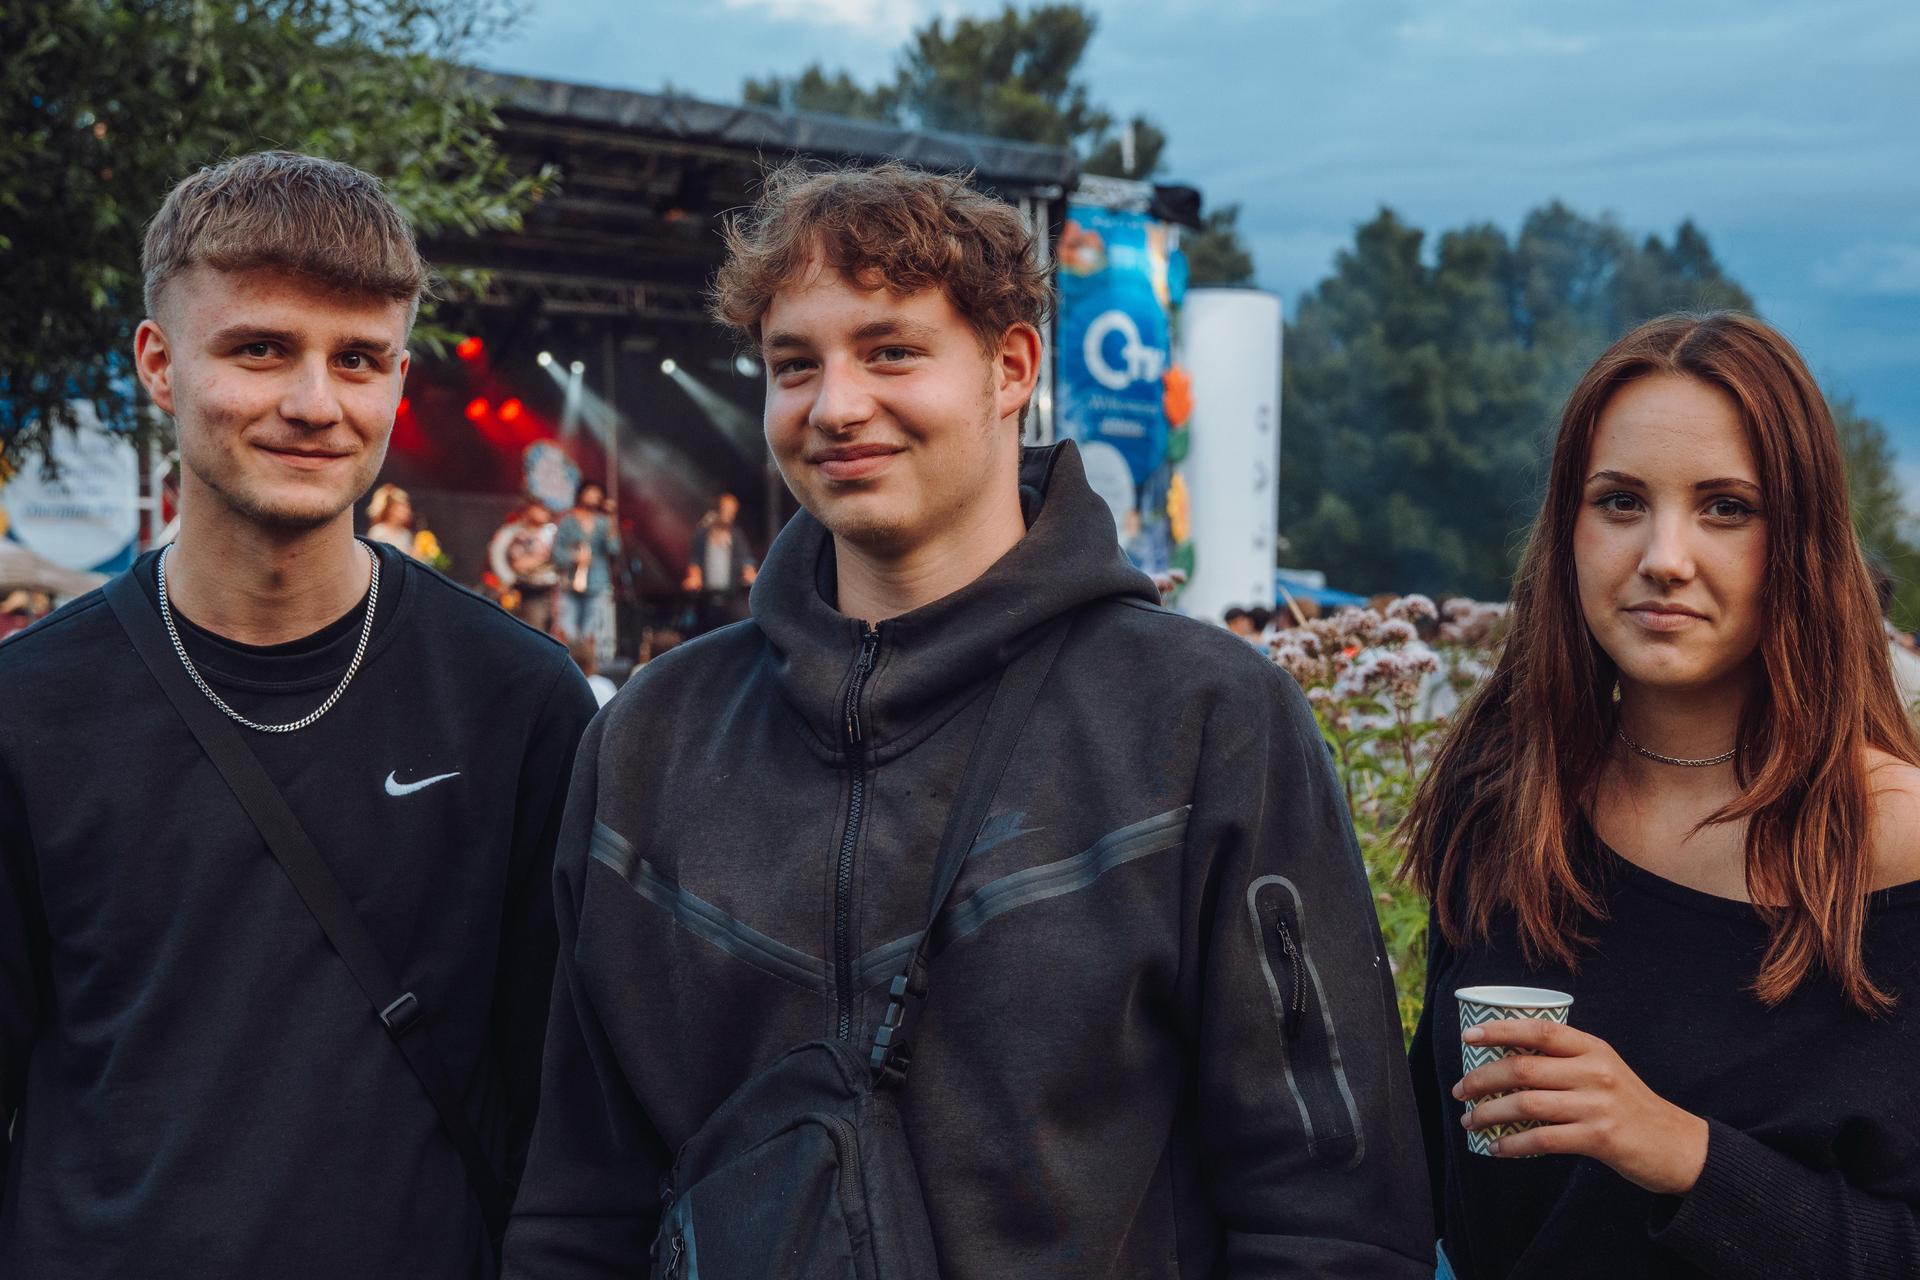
(399, 1010)
(804, 1172)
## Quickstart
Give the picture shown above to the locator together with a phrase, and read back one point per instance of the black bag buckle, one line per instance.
(891, 1054)
(401, 1015)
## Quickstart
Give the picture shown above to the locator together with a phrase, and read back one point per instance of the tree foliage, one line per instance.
(1420, 390)
(838, 94)
(108, 103)
(1215, 254)
(1013, 75)
(1880, 514)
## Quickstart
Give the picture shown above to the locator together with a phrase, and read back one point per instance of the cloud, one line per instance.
(1891, 270)
(1435, 31)
(884, 18)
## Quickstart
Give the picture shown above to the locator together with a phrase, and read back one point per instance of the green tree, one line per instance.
(1215, 254)
(1880, 515)
(108, 103)
(814, 90)
(1414, 378)
(1110, 159)
(1012, 75)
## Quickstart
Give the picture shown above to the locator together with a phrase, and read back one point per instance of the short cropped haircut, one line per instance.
(883, 227)
(278, 210)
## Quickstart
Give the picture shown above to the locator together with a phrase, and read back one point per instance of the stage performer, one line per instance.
(222, 1053)
(1159, 1038)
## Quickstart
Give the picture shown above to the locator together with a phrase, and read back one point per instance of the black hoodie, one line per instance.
(1126, 1066)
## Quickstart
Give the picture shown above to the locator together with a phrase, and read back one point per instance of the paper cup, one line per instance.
(1495, 1004)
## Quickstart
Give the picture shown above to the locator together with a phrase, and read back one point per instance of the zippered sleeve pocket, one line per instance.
(1305, 1038)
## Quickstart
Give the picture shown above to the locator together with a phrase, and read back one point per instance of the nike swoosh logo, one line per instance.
(398, 788)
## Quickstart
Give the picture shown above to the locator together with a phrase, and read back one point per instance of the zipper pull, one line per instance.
(676, 1249)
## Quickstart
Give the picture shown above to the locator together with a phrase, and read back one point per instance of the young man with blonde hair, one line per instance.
(1159, 1038)
(223, 1052)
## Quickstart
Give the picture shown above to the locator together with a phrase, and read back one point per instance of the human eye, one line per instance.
(894, 355)
(1731, 510)
(1618, 503)
(358, 362)
(262, 350)
(790, 367)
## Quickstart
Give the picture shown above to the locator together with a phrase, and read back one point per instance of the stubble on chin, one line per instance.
(875, 532)
(226, 478)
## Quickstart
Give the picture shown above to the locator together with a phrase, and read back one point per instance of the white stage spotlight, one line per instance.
(544, 359)
(669, 368)
(578, 366)
(746, 366)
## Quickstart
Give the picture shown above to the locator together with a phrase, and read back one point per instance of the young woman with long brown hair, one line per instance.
(1688, 797)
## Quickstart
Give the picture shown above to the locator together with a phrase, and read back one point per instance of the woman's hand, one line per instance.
(1586, 1101)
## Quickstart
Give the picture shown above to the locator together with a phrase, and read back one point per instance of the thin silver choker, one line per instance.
(359, 652)
(1710, 761)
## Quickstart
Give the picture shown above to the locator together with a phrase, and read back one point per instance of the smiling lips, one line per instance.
(303, 459)
(1664, 616)
(853, 461)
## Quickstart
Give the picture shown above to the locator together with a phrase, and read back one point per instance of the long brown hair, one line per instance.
(1497, 823)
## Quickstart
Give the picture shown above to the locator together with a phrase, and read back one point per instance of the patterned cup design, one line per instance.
(1494, 1004)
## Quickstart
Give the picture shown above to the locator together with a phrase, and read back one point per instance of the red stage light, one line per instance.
(406, 407)
(470, 348)
(477, 408)
(510, 410)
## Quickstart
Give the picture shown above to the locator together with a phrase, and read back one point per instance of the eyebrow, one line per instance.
(241, 334)
(868, 332)
(1700, 486)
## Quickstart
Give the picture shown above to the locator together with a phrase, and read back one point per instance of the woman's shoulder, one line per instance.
(1895, 789)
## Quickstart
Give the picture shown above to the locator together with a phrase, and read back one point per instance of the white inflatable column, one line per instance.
(1231, 344)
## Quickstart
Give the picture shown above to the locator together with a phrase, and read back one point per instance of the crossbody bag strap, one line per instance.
(399, 1010)
(1014, 696)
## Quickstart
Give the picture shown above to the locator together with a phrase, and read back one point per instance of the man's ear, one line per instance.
(1016, 369)
(153, 361)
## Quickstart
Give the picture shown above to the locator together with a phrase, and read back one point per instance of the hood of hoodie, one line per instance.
(932, 661)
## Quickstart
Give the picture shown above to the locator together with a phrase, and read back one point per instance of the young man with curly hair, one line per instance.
(193, 1082)
(1160, 1038)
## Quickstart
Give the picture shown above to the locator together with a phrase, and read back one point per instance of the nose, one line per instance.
(1667, 557)
(310, 397)
(841, 401)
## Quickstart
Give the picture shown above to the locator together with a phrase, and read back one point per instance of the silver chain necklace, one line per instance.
(1709, 761)
(359, 652)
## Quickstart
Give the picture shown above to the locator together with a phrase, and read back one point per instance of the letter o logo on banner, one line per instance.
(1142, 363)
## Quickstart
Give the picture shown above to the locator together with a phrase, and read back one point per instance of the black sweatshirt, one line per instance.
(1110, 1077)
(201, 1089)
(1813, 1149)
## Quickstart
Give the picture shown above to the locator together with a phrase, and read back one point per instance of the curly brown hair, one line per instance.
(883, 226)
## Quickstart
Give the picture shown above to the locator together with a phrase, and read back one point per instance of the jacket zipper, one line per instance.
(1297, 972)
(846, 1143)
(856, 804)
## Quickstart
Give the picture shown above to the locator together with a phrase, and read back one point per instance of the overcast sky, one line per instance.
(1790, 132)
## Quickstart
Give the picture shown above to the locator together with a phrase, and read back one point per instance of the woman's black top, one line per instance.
(1813, 1108)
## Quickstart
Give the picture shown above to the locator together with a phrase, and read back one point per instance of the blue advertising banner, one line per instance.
(1117, 276)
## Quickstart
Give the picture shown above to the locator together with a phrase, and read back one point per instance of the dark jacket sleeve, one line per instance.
(589, 1201)
(1306, 1107)
(524, 977)
(1756, 1212)
(22, 960)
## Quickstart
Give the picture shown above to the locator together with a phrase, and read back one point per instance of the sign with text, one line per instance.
(1114, 350)
(84, 512)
